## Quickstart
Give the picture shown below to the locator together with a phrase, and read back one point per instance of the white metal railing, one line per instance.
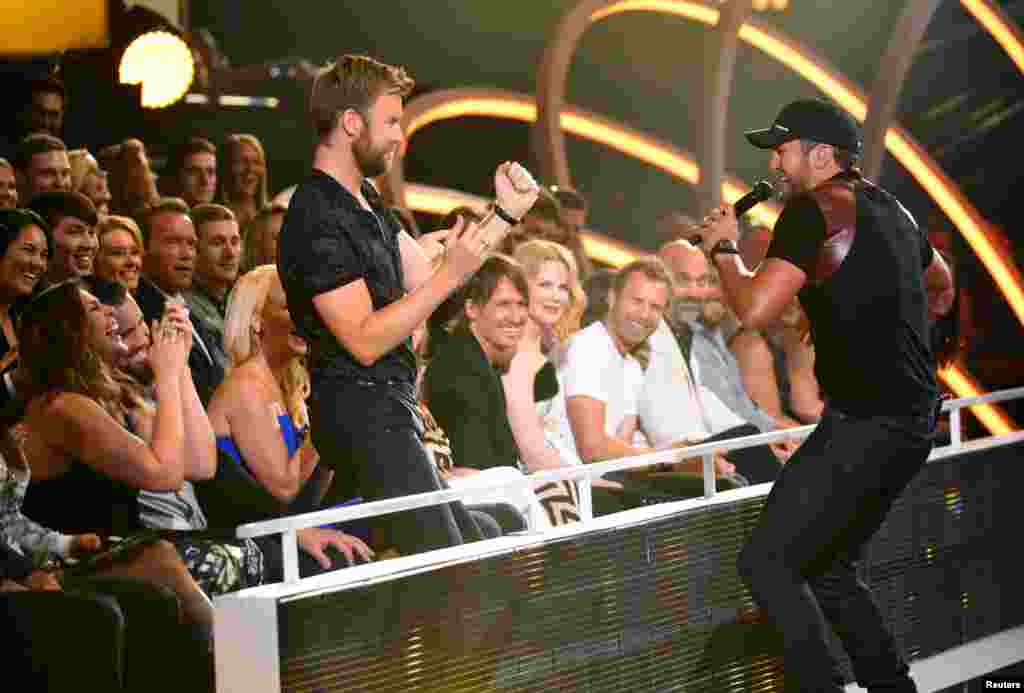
(288, 526)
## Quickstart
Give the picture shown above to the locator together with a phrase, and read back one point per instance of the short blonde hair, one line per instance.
(352, 81)
(533, 255)
(247, 301)
(114, 222)
(83, 165)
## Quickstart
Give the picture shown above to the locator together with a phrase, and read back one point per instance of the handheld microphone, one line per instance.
(761, 191)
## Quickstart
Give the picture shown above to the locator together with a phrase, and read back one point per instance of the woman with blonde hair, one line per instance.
(119, 258)
(244, 177)
(259, 416)
(535, 401)
(89, 179)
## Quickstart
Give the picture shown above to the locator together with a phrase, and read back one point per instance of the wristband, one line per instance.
(508, 218)
(723, 246)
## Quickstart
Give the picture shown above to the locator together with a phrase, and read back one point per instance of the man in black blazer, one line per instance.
(168, 266)
(462, 383)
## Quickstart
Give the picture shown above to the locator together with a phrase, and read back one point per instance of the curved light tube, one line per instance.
(1000, 26)
(440, 201)
(928, 174)
(493, 103)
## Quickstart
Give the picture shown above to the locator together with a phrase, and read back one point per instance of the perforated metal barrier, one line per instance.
(656, 605)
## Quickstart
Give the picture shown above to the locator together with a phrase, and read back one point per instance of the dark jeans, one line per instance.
(800, 560)
(369, 434)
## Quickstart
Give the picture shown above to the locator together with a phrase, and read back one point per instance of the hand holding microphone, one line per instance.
(712, 228)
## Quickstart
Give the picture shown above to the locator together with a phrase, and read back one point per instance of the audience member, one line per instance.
(697, 319)
(777, 366)
(119, 258)
(218, 253)
(243, 179)
(8, 185)
(41, 165)
(462, 384)
(495, 511)
(168, 265)
(603, 375)
(693, 388)
(43, 108)
(87, 178)
(131, 179)
(674, 226)
(24, 256)
(259, 416)
(219, 564)
(260, 238)
(72, 219)
(536, 401)
(192, 171)
(575, 209)
(597, 287)
(87, 463)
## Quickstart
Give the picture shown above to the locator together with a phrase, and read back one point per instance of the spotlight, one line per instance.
(155, 56)
(162, 63)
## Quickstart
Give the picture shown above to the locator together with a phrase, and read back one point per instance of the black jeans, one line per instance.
(800, 560)
(370, 435)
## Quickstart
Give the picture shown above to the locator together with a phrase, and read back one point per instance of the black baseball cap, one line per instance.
(810, 119)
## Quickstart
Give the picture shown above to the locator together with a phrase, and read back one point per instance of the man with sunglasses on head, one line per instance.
(868, 280)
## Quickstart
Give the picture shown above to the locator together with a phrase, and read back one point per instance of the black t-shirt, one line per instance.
(329, 240)
(865, 295)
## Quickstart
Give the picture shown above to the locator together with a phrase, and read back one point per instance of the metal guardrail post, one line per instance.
(709, 475)
(290, 553)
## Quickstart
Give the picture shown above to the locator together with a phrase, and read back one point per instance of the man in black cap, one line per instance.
(866, 276)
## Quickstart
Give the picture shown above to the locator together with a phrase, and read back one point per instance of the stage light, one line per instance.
(162, 63)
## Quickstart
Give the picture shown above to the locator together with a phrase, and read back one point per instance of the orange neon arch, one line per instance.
(497, 103)
(440, 201)
(945, 193)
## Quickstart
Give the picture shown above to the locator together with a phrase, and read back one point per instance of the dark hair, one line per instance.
(465, 211)
(651, 266)
(353, 81)
(56, 205)
(12, 221)
(107, 292)
(50, 84)
(36, 143)
(596, 287)
(209, 211)
(547, 207)
(480, 288)
(844, 158)
(162, 206)
(193, 145)
(54, 349)
(568, 198)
